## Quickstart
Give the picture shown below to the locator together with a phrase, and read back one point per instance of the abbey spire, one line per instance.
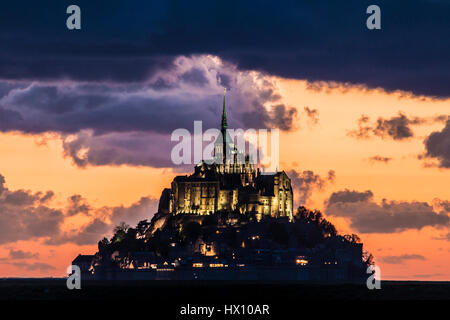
(224, 112)
(224, 128)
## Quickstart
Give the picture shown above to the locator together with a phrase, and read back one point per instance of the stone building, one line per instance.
(230, 184)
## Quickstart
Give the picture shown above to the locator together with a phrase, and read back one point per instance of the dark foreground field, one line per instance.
(50, 289)
(170, 296)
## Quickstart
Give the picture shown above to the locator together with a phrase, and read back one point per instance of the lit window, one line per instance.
(216, 265)
(301, 262)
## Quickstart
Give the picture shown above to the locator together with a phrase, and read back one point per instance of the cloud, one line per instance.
(301, 40)
(77, 204)
(377, 158)
(367, 216)
(304, 182)
(437, 146)
(35, 266)
(130, 124)
(47, 196)
(129, 148)
(444, 237)
(402, 258)
(104, 219)
(427, 275)
(312, 115)
(25, 216)
(347, 196)
(441, 205)
(19, 254)
(396, 128)
(166, 101)
(88, 234)
(135, 212)
(2, 184)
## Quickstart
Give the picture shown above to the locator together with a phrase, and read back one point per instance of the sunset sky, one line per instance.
(86, 118)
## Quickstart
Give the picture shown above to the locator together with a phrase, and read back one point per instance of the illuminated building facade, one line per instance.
(230, 185)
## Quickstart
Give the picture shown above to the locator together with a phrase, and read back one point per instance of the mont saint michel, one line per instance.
(228, 221)
(230, 184)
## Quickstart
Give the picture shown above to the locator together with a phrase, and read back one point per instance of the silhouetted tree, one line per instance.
(103, 245)
(368, 258)
(352, 238)
(120, 232)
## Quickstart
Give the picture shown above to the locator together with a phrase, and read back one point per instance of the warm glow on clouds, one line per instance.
(315, 146)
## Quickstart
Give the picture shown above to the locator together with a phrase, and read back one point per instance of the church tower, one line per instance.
(224, 148)
(223, 128)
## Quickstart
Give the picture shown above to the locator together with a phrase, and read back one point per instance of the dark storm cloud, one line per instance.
(195, 76)
(396, 128)
(70, 107)
(293, 39)
(437, 146)
(304, 183)
(115, 124)
(402, 258)
(367, 216)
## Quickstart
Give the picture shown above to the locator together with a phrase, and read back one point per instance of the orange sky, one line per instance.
(29, 164)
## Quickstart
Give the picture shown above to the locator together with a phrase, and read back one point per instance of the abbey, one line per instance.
(232, 184)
